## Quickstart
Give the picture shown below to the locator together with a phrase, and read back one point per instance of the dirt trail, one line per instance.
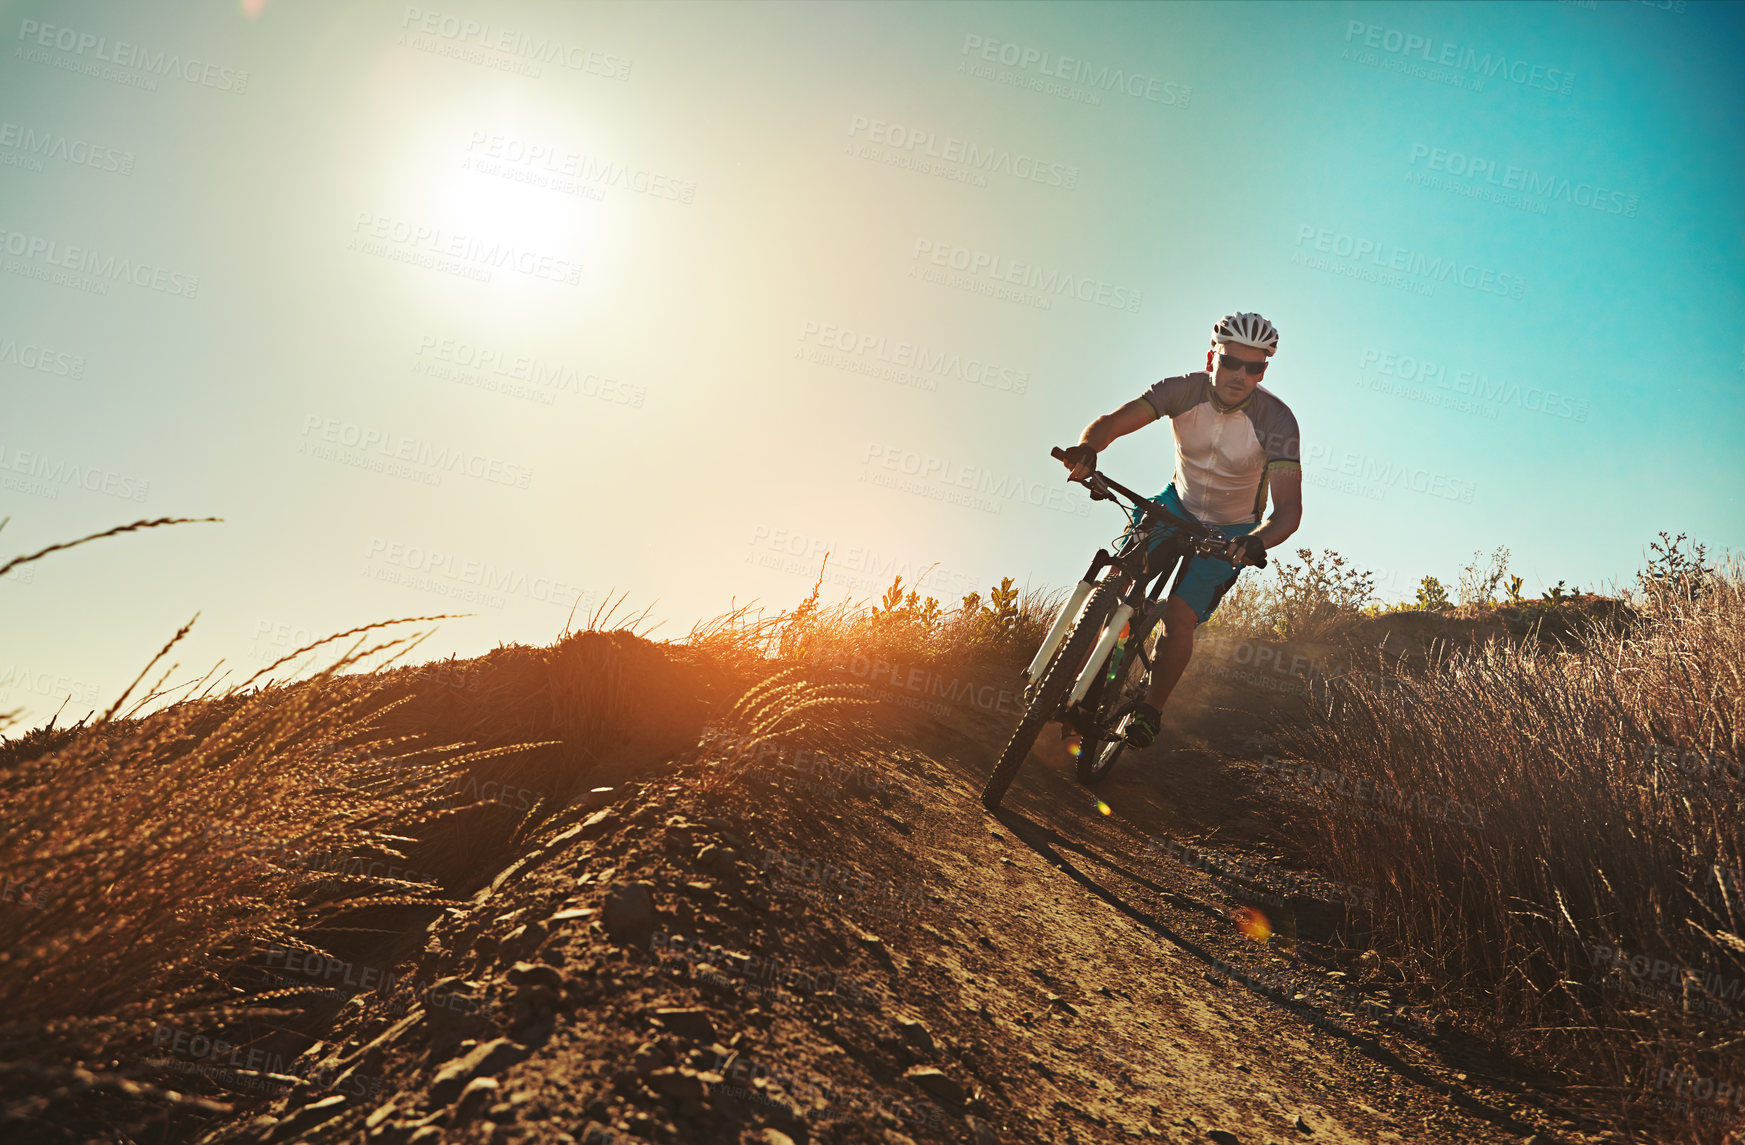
(880, 961)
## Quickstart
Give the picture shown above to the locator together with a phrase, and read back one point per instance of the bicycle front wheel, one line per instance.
(1120, 695)
(1057, 681)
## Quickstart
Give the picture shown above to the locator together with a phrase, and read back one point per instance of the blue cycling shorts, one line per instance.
(1205, 580)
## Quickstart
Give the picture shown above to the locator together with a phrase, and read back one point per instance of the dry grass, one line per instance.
(903, 625)
(1608, 781)
(146, 858)
(155, 853)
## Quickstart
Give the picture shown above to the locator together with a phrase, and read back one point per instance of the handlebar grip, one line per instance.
(1057, 453)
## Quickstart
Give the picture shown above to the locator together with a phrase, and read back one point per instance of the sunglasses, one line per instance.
(1236, 364)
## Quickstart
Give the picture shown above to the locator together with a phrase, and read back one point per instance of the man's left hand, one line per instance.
(1245, 551)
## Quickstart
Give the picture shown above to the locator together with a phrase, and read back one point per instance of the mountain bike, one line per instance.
(1094, 666)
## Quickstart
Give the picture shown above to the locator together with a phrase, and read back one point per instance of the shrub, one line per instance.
(1305, 599)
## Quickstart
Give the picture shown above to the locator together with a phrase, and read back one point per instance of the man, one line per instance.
(1234, 441)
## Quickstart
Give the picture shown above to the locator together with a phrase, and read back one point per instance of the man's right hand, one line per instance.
(1081, 459)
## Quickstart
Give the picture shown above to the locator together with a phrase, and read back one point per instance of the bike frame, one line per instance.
(1130, 563)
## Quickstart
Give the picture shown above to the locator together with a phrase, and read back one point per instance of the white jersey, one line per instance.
(1223, 457)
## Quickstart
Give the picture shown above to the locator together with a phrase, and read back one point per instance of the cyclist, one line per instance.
(1234, 440)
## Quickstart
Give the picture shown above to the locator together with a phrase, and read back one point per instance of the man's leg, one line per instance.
(1175, 647)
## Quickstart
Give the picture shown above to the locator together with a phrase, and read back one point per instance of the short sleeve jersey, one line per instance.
(1223, 459)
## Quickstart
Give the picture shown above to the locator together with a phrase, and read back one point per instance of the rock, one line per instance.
(524, 938)
(574, 913)
(682, 1083)
(688, 1022)
(1301, 1126)
(981, 1132)
(1223, 1137)
(629, 913)
(935, 1084)
(917, 1035)
(425, 1135)
(491, 1057)
(309, 1116)
(378, 1115)
(594, 1133)
(680, 832)
(648, 1058)
(773, 1137)
(536, 974)
(716, 858)
(480, 1093)
(599, 823)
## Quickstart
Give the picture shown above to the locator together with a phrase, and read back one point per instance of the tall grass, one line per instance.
(1607, 781)
(902, 625)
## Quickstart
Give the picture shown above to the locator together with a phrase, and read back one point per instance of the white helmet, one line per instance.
(1247, 330)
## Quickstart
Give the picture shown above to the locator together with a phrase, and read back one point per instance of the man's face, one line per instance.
(1232, 386)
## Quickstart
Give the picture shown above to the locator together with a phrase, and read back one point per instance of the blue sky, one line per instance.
(491, 308)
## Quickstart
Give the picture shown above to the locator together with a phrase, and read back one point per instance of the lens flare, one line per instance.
(1104, 808)
(1252, 923)
(1074, 748)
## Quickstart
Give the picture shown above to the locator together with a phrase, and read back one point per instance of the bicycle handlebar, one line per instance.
(1101, 485)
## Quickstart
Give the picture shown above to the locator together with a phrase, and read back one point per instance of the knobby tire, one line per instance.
(1057, 680)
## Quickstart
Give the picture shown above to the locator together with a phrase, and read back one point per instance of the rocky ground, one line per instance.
(857, 953)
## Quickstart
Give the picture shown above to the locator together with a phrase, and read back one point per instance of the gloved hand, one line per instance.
(1081, 459)
(1246, 550)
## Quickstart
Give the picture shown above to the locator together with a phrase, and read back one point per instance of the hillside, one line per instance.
(836, 944)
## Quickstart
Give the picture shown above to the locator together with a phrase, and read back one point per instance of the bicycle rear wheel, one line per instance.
(1057, 681)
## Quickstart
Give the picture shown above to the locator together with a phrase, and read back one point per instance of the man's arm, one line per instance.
(1136, 414)
(1286, 483)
